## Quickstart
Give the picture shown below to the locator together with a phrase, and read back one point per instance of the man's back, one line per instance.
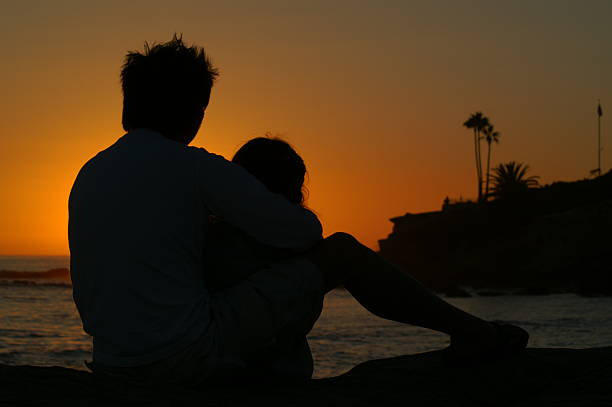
(136, 235)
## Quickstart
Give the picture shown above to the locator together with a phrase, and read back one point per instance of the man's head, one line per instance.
(167, 88)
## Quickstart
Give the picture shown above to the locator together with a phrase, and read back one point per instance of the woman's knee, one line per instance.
(335, 250)
(334, 256)
(341, 241)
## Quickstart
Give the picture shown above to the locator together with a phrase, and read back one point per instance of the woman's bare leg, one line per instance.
(390, 293)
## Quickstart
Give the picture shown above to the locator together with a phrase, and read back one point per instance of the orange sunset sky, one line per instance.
(373, 94)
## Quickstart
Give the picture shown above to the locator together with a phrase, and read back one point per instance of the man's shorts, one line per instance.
(266, 316)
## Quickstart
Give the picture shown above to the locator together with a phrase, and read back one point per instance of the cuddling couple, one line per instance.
(190, 268)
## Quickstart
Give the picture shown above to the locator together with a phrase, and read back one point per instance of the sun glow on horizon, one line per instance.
(373, 97)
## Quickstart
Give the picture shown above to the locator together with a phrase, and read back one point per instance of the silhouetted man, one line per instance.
(138, 225)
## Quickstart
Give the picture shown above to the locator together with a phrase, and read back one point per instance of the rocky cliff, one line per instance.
(558, 237)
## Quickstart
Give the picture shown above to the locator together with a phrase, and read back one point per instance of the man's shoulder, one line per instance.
(203, 153)
(208, 161)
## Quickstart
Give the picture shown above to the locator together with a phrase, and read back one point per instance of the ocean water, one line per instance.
(39, 324)
(33, 263)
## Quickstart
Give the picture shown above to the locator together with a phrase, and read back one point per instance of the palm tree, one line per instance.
(511, 178)
(490, 136)
(477, 121)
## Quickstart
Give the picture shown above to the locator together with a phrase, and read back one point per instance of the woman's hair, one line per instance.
(276, 164)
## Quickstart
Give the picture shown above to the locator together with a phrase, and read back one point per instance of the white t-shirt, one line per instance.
(138, 221)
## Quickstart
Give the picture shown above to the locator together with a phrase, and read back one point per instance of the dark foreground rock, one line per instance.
(539, 377)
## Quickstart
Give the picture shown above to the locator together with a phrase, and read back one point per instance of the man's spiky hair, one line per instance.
(164, 83)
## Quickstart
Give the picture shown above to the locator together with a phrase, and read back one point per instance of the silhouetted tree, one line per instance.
(490, 136)
(510, 179)
(477, 122)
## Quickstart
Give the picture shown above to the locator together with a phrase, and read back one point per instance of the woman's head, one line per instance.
(276, 164)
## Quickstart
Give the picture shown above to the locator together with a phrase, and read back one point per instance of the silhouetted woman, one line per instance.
(232, 256)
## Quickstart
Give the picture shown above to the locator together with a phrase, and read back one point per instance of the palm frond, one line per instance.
(511, 178)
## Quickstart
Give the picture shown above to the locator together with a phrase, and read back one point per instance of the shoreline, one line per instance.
(61, 277)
